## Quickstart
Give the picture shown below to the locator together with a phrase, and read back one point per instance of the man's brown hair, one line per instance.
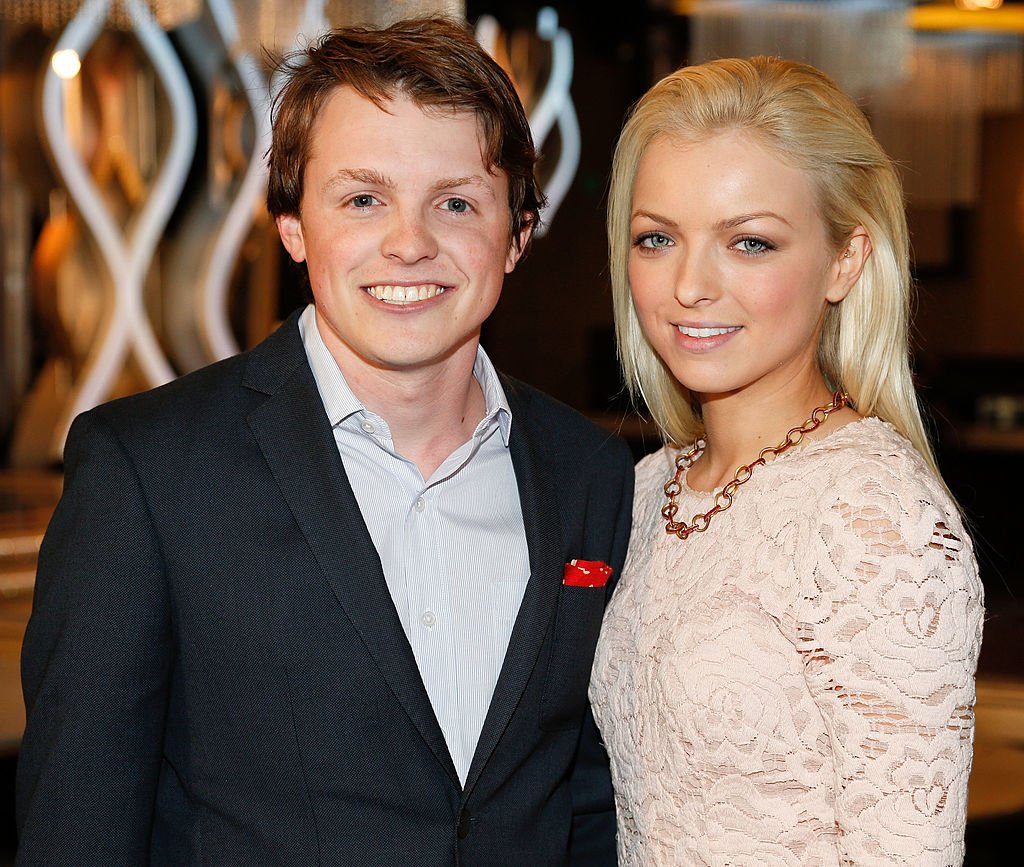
(437, 63)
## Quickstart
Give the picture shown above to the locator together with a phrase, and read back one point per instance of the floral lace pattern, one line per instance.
(795, 686)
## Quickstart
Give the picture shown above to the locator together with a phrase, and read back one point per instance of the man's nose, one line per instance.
(409, 237)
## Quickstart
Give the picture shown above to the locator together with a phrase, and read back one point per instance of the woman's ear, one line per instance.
(848, 265)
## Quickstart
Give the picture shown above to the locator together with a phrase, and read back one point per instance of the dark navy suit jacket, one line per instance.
(215, 673)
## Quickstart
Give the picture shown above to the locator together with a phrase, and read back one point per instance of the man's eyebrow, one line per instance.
(374, 178)
(467, 181)
(371, 177)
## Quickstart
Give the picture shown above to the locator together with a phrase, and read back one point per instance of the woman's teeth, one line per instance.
(706, 332)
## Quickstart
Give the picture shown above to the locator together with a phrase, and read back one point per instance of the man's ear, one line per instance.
(289, 227)
(848, 265)
(518, 247)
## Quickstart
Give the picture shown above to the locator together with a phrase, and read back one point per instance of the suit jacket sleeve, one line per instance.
(593, 835)
(95, 667)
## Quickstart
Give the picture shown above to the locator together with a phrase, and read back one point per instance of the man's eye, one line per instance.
(459, 206)
(363, 200)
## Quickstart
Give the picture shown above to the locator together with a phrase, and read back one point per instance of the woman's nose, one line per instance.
(696, 279)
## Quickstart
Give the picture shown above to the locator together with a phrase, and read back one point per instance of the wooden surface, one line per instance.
(997, 780)
(13, 617)
(992, 439)
(26, 503)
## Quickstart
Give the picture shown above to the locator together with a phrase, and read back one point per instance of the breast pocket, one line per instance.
(571, 655)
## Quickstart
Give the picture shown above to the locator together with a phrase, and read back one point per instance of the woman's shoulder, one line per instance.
(871, 455)
(873, 475)
(867, 438)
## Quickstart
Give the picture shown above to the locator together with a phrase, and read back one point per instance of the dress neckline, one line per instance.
(804, 448)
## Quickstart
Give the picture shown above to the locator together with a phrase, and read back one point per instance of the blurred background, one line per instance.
(134, 246)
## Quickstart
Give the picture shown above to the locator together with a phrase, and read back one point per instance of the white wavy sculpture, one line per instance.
(213, 317)
(127, 257)
(214, 327)
(554, 105)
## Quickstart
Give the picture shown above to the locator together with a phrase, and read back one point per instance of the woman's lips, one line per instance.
(704, 338)
(707, 331)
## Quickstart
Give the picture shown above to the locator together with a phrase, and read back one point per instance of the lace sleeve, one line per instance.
(890, 640)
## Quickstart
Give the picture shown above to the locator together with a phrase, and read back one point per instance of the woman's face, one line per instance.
(730, 265)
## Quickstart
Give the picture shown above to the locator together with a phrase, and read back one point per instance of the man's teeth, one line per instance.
(404, 294)
(706, 332)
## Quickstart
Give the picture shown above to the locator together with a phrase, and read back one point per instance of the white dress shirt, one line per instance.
(453, 547)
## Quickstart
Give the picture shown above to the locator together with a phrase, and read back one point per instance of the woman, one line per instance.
(785, 673)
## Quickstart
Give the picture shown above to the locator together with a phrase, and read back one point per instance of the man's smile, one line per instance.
(404, 294)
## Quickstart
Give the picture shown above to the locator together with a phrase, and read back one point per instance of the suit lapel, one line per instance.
(539, 504)
(297, 441)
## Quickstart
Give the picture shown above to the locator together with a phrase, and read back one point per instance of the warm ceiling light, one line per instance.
(975, 5)
(66, 63)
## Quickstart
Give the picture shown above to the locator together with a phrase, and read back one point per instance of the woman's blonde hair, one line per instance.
(812, 125)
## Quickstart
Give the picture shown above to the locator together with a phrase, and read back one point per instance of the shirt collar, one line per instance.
(340, 402)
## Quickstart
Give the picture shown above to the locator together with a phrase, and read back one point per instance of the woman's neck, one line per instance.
(738, 425)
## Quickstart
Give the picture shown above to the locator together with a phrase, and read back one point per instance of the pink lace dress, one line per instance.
(796, 684)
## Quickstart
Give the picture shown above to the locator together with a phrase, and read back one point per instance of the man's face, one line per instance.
(404, 231)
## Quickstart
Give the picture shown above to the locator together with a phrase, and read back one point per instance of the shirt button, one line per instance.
(428, 619)
(421, 504)
(368, 426)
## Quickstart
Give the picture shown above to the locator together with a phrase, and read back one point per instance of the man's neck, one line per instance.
(430, 411)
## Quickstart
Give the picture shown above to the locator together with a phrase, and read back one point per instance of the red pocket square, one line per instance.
(586, 573)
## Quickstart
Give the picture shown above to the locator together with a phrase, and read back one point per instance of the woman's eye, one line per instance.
(754, 246)
(457, 205)
(653, 241)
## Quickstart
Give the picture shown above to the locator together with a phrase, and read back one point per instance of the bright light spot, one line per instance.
(66, 63)
(975, 5)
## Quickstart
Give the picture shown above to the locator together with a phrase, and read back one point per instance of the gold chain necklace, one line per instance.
(723, 499)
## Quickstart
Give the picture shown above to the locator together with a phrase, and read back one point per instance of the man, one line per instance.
(327, 602)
